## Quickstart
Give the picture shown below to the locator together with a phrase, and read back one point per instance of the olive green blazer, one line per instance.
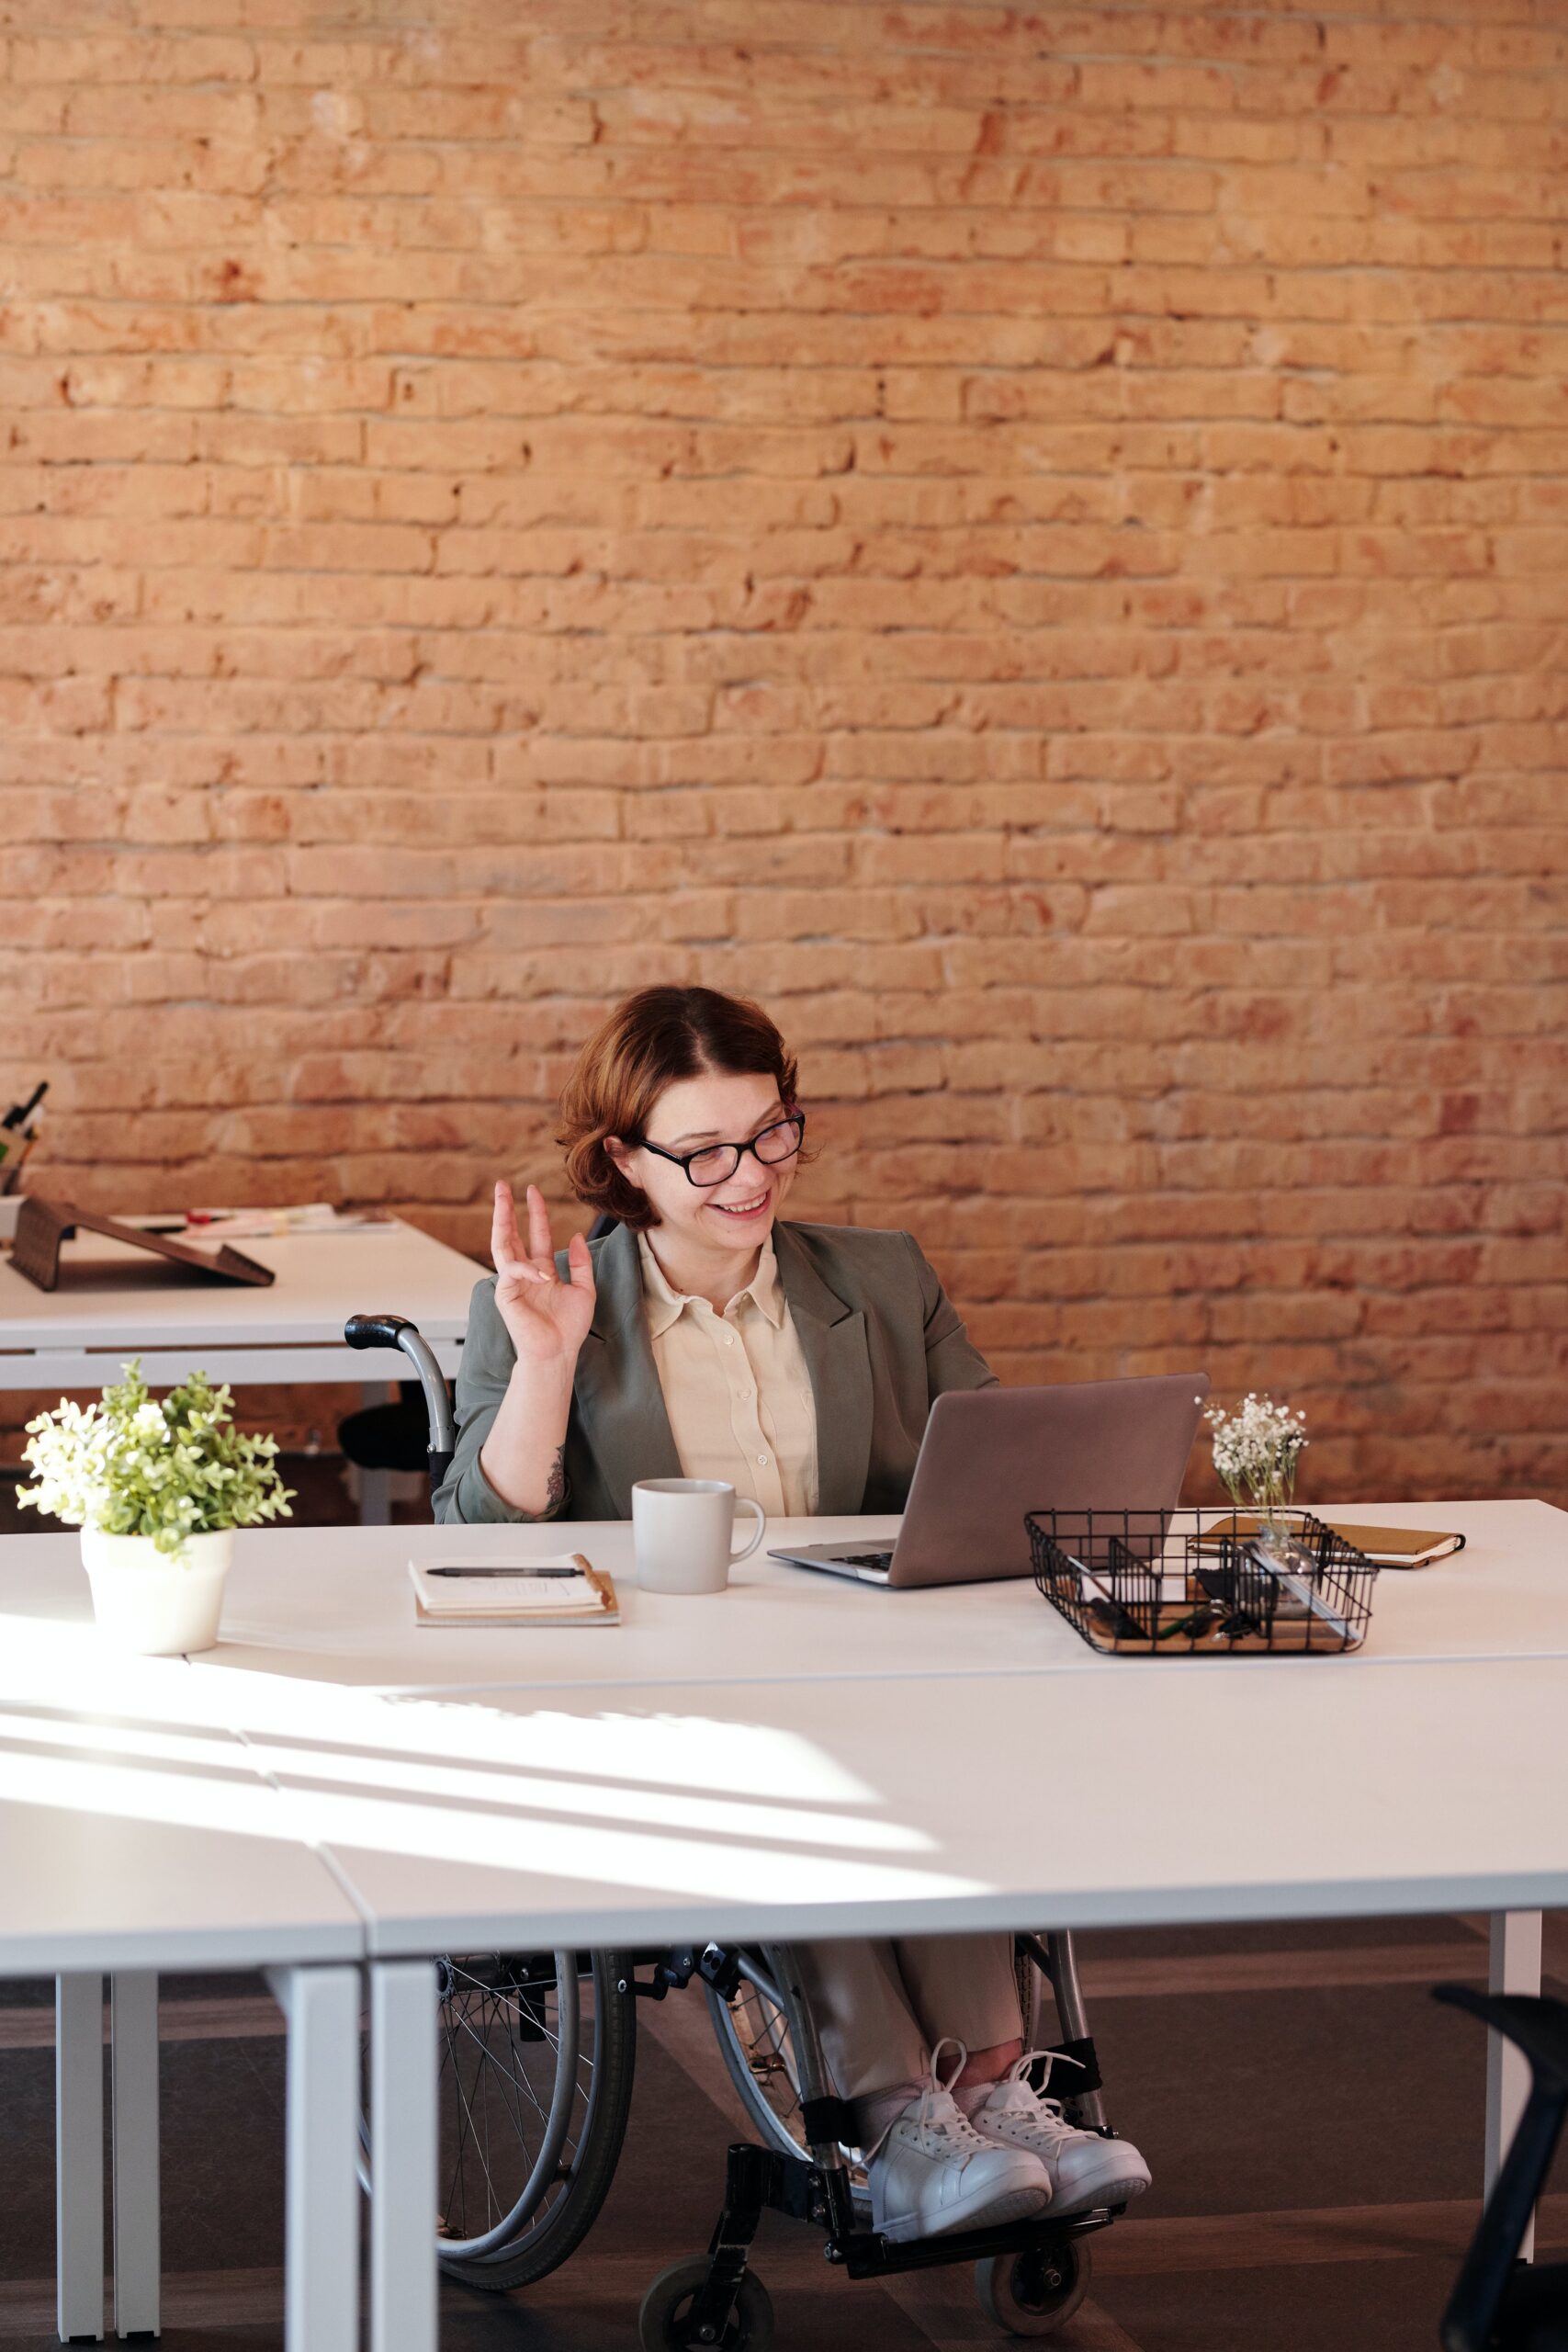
(881, 1341)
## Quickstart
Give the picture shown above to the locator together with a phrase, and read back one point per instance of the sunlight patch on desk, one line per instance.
(70, 1664)
(215, 1750)
(547, 1789)
(644, 1749)
(594, 1847)
(228, 1801)
(70, 1668)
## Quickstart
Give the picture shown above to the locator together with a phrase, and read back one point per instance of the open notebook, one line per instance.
(563, 1591)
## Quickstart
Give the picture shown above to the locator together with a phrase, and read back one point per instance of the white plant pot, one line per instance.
(158, 1604)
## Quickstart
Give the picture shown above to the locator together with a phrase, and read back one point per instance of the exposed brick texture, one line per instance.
(1035, 540)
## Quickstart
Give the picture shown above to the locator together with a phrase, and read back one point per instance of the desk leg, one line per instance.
(133, 2077)
(1515, 1968)
(403, 2156)
(320, 2284)
(79, 2156)
(375, 1486)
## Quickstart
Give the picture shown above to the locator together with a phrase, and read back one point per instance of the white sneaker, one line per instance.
(1084, 2169)
(934, 2172)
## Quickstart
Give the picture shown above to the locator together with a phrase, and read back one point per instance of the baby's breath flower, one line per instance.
(1257, 1449)
(129, 1466)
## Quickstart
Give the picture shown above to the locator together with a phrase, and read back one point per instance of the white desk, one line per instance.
(1350, 1760)
(506, 1789)
(332, 1605)
(137, 1837)
(654, 1814)
(836, 1809)
(115, 1302)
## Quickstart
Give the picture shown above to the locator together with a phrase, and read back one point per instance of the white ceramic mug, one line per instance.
(682, 1529)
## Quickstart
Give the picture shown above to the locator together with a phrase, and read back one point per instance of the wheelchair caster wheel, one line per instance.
(663, 2323)
(1033, 2293)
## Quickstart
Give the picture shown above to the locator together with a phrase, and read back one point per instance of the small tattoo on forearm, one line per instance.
(555, 1490)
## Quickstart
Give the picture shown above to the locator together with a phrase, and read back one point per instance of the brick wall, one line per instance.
(1033, 541)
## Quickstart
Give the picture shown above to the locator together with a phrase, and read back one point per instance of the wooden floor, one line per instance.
(1312, 2120)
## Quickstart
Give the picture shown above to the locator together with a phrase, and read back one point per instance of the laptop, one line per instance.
(990, 1454)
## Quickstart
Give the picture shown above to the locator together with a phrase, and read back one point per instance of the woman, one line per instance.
(704, 1339)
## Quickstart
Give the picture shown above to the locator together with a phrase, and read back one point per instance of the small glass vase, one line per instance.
(1278, 1548)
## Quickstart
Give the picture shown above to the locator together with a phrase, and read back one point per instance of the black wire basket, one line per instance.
(1164, 1583)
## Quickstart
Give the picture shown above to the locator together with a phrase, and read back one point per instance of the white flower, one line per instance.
(1256, 1450)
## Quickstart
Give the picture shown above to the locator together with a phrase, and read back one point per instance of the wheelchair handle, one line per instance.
(396, 1332)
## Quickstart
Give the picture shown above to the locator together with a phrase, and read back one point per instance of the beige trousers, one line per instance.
(881, 2009)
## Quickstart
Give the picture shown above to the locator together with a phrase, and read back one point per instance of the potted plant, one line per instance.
(157, 1491)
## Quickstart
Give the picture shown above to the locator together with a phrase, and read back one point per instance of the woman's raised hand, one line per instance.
(546, 1319)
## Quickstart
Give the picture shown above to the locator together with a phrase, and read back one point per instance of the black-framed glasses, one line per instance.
(715, 1161)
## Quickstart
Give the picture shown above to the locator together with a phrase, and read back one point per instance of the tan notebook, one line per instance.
(565, 1591)
(1398, 1547)
(1390, 1547)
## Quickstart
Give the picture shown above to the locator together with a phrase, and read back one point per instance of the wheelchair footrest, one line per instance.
(867, 2253)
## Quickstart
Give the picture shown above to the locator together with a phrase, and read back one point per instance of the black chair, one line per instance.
(1499, 2303)
(397, 1437)
(388, 1437)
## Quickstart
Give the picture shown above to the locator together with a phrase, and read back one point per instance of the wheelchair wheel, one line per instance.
(536, 2055)
(660, 2320)
(753, 2041)
(1033, 2293)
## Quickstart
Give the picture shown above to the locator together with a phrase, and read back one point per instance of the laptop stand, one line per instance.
(42, 1225)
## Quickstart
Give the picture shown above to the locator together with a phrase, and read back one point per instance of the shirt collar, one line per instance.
(665, 1305)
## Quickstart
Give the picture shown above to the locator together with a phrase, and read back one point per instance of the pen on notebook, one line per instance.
(502, 1572)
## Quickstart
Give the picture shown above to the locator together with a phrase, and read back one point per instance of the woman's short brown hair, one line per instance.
(656, 1038)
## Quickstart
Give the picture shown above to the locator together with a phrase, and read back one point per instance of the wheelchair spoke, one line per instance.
(514, 2083)
(477, 2128)
(473, 2127)
(466, 2119)
(534, 2057)
(493, 2210)
(512, 2078)
(522, 2087)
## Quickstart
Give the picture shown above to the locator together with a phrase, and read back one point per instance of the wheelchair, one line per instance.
(538, 2052)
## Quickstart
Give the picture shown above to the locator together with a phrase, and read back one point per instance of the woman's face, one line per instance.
(721, 1106)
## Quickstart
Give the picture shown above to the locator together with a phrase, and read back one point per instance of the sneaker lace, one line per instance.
(1019, 2073)
(939, 2119)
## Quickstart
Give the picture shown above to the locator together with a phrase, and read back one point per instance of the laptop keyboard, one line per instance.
(866, 1560)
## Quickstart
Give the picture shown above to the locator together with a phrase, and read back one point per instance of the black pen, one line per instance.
(502, 1572)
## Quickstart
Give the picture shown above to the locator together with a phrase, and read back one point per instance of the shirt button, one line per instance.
(762, 1457)
(730, 1339)
(745, 1392)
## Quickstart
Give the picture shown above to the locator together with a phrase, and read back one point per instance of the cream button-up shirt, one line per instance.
(736, 1386)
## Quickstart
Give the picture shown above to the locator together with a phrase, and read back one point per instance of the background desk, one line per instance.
(76, 1336)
